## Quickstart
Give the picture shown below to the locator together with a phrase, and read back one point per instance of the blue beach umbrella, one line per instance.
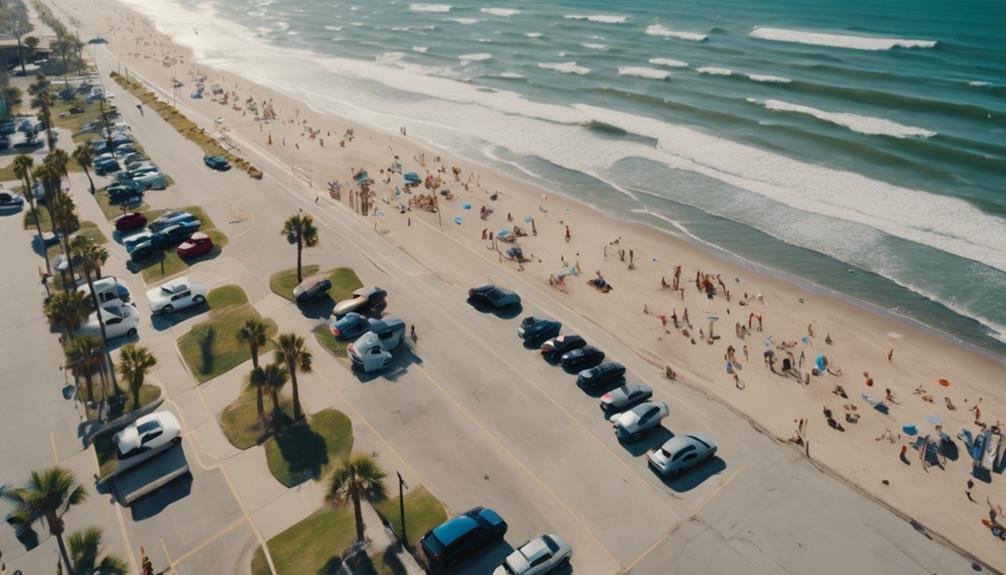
(910, 430)
(503, 233)
(527, 219)
(458, 220)
(466, 206)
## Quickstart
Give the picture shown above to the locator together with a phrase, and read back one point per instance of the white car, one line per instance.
(151, 181)
(632, 424)
(537, 556)
(372, 350)
(176, 294)
(682, 452)
(120, 319)
(146, 433)
(108, 288)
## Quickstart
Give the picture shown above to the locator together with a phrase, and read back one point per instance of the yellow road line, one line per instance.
(224, 531)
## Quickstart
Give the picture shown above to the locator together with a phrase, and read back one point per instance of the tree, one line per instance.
(359, 478)
(85, 551)
(85, 159)
(91, 257)
(135, 362)
(294, 354)
(63, 214)
(48, 495)
(23, 171)
(255, 333)
(300, 231)
(84, 356)
(31, 46)
(67, 310)
(42, 99)
(272, 377)
(59, 160)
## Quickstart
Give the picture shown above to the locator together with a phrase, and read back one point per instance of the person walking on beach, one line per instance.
(967, 491)
(568, 235)
(140, 108)
(890, 355)
(412, 333)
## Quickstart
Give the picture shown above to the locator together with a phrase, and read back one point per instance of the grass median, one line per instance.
(241, 423)
(211, 348)
(308, 449)
(344, 282)
(423, 512)
(173, 265)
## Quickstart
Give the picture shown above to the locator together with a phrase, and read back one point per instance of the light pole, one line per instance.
(401, 506)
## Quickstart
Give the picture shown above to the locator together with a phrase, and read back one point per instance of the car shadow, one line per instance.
(318, 309)
(114, 344)
(162, 322)
(651, 440)
(401, 359)
(152, 504)
(482, 562)
(695, 476)
(509, 312)
(214, 252)
(598, 391)
(576, 369)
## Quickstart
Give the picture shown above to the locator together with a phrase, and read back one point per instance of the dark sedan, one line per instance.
(130, 221)
(555, 347)
(312, 289)
(494, 296)
(600, 375)
(462, 535)
(625, 397)
(538, 328)
(218, 163)
(582, 358)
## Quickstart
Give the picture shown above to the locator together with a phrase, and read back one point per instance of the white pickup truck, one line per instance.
(372, 350)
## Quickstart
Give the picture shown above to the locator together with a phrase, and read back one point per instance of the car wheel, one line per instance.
(563, 563)
(131, 332)
(177, 440)
(198, 300)
(168, 310)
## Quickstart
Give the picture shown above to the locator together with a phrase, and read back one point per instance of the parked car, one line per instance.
(131, 242)
(681, 453)
(623, 397)
(177, 233)
(146, 433)
(365, 300)
(555, 347)
(600, 375)
(170, 218)
(493, 296)
(462, 535)
(143, 168)
(311, 289)
(632, 424)
(106, 167)
(121, 319)
(176, 294)
(197, 245)
(581, 358)
(164, 239)
(218, 163)
(372, 350)
(151, 181)
(538, 328)
(536, 557)
(130, 221)
(124, 195)
(132, 158)
(108, 289)
(350, 326)
(9, 200)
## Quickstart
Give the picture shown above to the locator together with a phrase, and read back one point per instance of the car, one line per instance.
(132, 158)
(169, 218)
(148, 432)
(311, 289)
(372, 350)
(555, 347)
(130, 221)
(166, 238)
(97, 40)
(143, 168)
(137, 239)
(9, 200)
(124, 194)
(538, 328)
(176, 294)
(600, 375)
(107, 289)
(581, 358)
(350, 326)
(632, 424)
(177, 233)
(462, 535)
(491, 295)
(151, 181)
(218, 163)
(681, 453)
(365, 300)
(621, 398)
(537, 556)
(197, 245)
(106, 167)
(121, 319)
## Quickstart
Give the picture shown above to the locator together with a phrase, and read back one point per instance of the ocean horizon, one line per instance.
(858, 147)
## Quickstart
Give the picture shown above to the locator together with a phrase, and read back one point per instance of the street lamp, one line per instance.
(401, 506)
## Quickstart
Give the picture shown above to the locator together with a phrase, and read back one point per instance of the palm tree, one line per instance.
(359, 478)
(91, 257)
(59, 160)
(135, 362)
(63, 214)
(85, 551)
(273, 377)
(300, 231)
(85, 159)
(42, 99)
(85, 356)
(31, 45)
(293, 352)
(255, 333)
(67, 310)
(49, 494)
(23, 171)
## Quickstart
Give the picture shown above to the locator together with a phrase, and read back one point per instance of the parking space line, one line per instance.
(52, 442)
(173, 563)
(122, 527)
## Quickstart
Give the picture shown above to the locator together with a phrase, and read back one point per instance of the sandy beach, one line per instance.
(682, 322)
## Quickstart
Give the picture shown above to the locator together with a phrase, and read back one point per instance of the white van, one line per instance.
(108, 288)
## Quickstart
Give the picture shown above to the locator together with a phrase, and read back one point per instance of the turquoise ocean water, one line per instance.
(858, 145)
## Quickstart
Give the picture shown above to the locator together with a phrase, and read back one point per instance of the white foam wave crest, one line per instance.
(389, 57)
(504, 12)
(838, 40)
(665, 32)
(668, 62)
(437, 8)
(465, 21)
(599, 18)
(642, 72)
(334, 28)
(714, 71)
(768, 79)
(420, 49)
(469, 58)
(565, 67)
(511, 75)
(868, 125)
(533, 34)
(979, 84)
(592, 46)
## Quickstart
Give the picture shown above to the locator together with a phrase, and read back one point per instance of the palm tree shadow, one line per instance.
(392, 562)
(206, 349)
(304, 450)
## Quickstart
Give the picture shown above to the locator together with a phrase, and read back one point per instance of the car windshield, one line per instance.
(148, 426)
(552, 545)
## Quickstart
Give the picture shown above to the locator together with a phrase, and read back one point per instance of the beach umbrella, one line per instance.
(934, 420)
(768, 341)
(458, 220)
(945, 382)
(822, 362)
(712, 317)
(503, 233)
(805, 340)
(910, 430)
(466, 206)
(527, 219)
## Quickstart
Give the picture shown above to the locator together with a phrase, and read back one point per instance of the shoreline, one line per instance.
(770, 401)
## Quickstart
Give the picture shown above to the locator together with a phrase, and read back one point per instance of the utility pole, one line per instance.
(401, 506)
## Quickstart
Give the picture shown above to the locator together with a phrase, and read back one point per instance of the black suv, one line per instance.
(461, 536)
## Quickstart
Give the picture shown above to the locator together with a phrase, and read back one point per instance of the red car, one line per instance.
(197, 245)
(130, 221)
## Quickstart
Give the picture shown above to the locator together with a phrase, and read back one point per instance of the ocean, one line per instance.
(857, 145)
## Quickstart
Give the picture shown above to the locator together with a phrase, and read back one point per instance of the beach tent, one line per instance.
(503, 233)
(466, 206)
(361, 176)
(413, 178)
(458, 220)
(515, 253)
(821, 362)
(910, 429)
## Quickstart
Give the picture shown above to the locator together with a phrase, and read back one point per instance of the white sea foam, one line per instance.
(439, 8)
(642, 72)
(668, 62)
(465, 21)
(565, 67)
(533, 34)
(769, 79)
(334, 28)
(838, 40)
(862, 124)
(600, 18)
(389, 57)
(469, 58)
(420, 49)
(593, 46)
(665, 32)
(714, 71)
(484, 40)
(505, 12)
(979, 84)
(511, 75)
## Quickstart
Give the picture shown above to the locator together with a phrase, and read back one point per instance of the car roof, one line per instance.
(177, 285)
(534, 549)
(449, 531)
(366, 291)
